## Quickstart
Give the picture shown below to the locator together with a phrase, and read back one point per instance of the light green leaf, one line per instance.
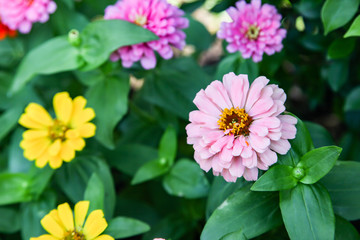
(186, 179)
(95, 193)
(150, 170)
(100, 38)
(343, 184)
(318, 162)
(168, 145)
(55, 55)
(238, 235)
(307, 212)
(9, 220)
(253, 212)
(345, 230)
(110, 110)
(9, 119)
(277, 178)
(14, 188)
(354, 30)
(341, 48)
(335, 15)
(123, 227)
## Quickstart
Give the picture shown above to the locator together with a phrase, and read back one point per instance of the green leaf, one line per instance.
(53, 56)
(309, 8)
(123, 227)
(319, 135)
(14, 188)
(238, 235)
(193, 32)
(110, 110)
(302, 142)
(345, 230)
(40, 178)
(318, 162)
(186, 179)
(307, 212)
(341, 48)
(253, 212)
(168, 145)
(335, 15)
(9, 119)
(33, 212)
(66, 19)
(100, 38)
(354, 30)
(95, 193)
(10, 220)
(277, 178)
(17, 163)
(352, 102)
(150, 170)
(338, 73)
(343, 184)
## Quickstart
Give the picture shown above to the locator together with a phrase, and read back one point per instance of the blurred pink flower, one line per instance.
(254, 30)
(159, 239)
(238, 130)
(21, 14)
(158, 16)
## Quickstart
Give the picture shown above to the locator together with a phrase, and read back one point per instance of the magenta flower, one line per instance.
(254, 30)
(158, 16)
(21, 14)
(238, 130)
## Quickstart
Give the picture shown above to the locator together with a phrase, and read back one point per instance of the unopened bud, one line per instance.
(74, 37)
(298, 173)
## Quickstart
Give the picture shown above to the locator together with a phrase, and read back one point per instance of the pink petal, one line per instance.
(251, 174)
(281, 146)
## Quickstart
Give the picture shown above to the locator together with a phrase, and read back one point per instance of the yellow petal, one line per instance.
(104, 237)
(39, 114)
(45, 237)
(82, 117)
(67, 152)
(87, 130)
(52, 227)
(78, 106)
(42, 160)
(55, 215)
(26, 121)
(66, 216)
(33, 134)
(55, 162)
(81, 209)
(55, 148)
(36, 149)
(63, 106)
(72, 133)
(95, 224)
(77, 143)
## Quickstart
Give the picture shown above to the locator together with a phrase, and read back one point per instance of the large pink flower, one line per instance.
(254, 30)
(21, 14)
(238, 130)
(158, 16)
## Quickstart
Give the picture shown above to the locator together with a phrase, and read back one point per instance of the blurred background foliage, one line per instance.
(139, 165)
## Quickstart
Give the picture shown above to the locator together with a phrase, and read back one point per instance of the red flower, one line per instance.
(6, 31)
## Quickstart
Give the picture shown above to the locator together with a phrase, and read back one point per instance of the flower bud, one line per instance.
(298, 173)
(74, 37)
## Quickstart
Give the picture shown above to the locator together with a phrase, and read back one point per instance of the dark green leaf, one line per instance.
(95, 193)
(309, 8)
(186, 179)
(65, 20)
(14, 188)
(100, 38)
(55, 55)
(341, 48)
(345, 230)
(277, 178)
(338, 73)
(17, 163)
(343, 184)
(168, 145)
(318, 162)
(9, 119)
(335, 15)
(112, 107)
(352, 102)
(253, 212)
(238, 235)
(9, 220)
(319, 135)
(193, 32)
(354, 30)
(302, 142)
(123, 227)
(40, 178)
(150, 170)
(11, 51)
(307, 212)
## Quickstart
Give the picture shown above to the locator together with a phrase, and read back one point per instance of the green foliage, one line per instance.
(354, 30)
(123, 227)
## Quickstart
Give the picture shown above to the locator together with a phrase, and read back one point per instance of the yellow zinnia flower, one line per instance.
(56, 140)
(61, 225)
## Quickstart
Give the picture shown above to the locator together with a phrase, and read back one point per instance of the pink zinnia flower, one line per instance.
(158, 16)
(21, 14)
(238, 130)
(255, 29)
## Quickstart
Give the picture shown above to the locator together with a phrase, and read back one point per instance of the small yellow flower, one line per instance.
(61, 225)
(56, 140)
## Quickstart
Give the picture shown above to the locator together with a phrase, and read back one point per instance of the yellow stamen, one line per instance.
(74, 235)
(57, 130)
(140, 20)
(235, 121)
(253, 32)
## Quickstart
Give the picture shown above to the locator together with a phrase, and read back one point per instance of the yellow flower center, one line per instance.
(253, 32)
(57, 130)
(235, 121)
(140, 20)
(74, 235)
